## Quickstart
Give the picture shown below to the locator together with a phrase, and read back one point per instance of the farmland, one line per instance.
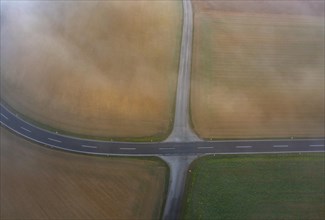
(38, 183)
(287, 186)
(97, 68)
(258, 69)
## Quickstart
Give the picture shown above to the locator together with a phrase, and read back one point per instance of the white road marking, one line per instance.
(88, 146)
(127, 148)
(279, 146)
(5, 116)
(204, 147)
(25, 129)
(51, 139)
(316, 145)
(167, 148)
(243, 146)
(177, 146)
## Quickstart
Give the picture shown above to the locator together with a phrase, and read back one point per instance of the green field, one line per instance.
(286, 186)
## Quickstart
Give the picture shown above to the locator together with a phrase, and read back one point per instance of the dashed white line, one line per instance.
(127, 148)
(167, 148)
(51, 139)
(4, 116)
(204, 147)
(243, 146)
(25, 129)
(316, 145)
(89, 146)
(280, 146)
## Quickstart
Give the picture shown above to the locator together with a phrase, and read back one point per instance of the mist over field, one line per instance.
(108, 68)
(103, 68)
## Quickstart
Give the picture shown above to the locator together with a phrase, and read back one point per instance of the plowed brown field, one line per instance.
(258, 69)
(38, 183)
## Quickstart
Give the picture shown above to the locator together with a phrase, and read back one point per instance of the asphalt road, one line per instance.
(182, 131)
(182, 140)
(178, 166)
(59, 141)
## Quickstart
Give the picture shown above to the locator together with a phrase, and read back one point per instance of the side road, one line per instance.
(178, 168)
(182, 131)
(179, 149)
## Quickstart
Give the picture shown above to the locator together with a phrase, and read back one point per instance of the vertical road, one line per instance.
(178, 166)
(182, 131)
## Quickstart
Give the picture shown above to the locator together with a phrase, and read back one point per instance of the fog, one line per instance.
(110, 62)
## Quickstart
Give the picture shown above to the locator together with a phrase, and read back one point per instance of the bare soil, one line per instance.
(39, 183)
(101, 68)
(285, 7)
(257, 71)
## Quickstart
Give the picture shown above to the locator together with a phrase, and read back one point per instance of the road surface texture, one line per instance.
(176, 154)
(182, 131)
(178, 166)
(178, 150)
(55, 140)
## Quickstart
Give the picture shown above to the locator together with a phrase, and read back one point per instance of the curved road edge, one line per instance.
(54, 140)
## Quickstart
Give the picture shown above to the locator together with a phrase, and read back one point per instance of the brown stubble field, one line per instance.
(100, 68)
(38, 183)
(258, 69)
